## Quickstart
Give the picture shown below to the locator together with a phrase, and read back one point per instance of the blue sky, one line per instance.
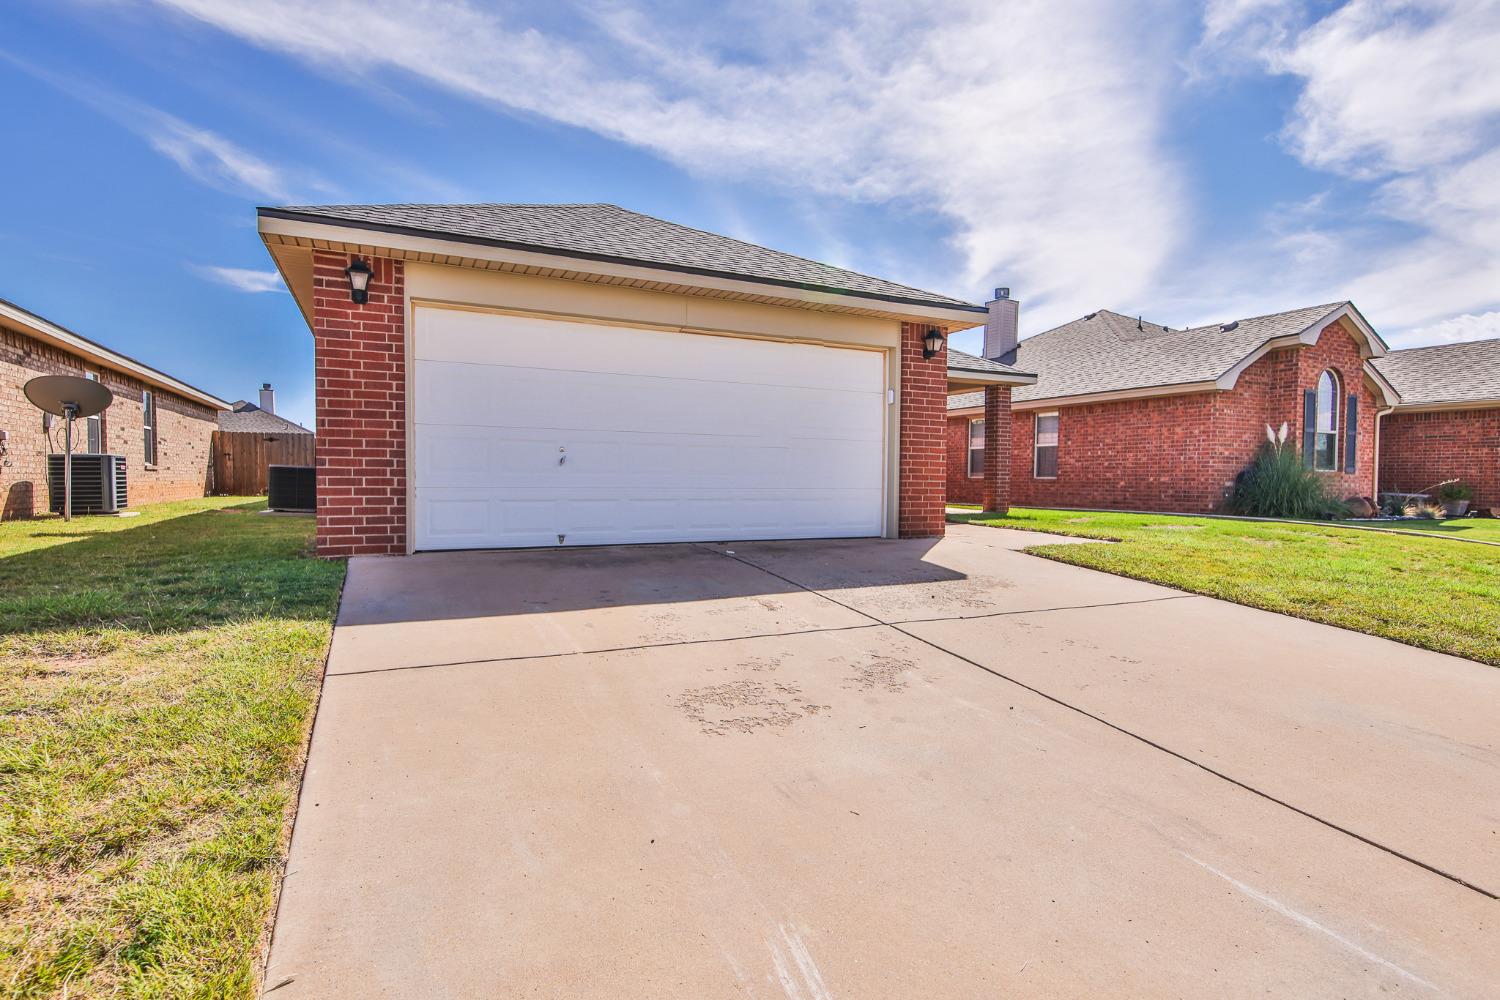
(1190, 162)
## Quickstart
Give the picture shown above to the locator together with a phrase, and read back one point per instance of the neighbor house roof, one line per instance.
(247, 418)
(29, 323)
(1107, 353)
(1444, 374)
(610, 233)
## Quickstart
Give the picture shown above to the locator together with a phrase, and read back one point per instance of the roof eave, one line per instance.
(960, 379)
(1373, 346)
(1436, 406)
(1113, 395)
(48, 332)
(355, 236)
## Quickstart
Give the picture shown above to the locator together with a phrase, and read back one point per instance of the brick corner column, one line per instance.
(360, 368)
(996, 495)
(922, 479)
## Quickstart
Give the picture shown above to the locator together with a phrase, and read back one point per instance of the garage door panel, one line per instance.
(517, 454)
(476, 457)
(493, 396)
(534, 342)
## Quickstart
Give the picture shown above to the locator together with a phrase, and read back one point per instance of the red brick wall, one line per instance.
(1138, 454)
(962, 488)
(1420, 449)
(360, 367)
(184, 431)
(997, 450)
(923, 465)
(1181, 453)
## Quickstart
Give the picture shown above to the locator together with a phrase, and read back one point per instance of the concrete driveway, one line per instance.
(878, 769)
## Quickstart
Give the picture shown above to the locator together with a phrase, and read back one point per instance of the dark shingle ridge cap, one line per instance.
(1327, 307)
(1450, 346)
(327, 213)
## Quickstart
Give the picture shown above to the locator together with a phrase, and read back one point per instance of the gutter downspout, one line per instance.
(1378, 415)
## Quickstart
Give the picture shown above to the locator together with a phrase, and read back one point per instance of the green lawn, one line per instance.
(159, 674)
(1483, 529)
(1428, 592)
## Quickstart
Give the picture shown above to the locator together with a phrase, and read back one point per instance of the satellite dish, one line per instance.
(71, 397)
(56, 394)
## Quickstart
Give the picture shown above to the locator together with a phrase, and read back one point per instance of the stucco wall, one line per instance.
(184, 431)
(1420, 449)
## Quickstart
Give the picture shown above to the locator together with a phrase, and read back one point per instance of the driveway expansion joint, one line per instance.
(1393, 852)
(874, 623)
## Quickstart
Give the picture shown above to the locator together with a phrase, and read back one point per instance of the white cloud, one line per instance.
(1485, 326)
(1033, 128)
(243, 279)
(214, 160)
(1392, 86)
(202, 154)
(1401, 99)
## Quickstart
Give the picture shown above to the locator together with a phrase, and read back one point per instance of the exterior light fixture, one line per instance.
(932, 343)
(359, 281)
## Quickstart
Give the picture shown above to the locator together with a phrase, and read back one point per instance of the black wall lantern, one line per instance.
(932, 343)
(359, 281)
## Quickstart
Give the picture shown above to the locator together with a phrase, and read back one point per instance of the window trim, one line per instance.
(97, 419)
(148, 428)
(970, 451)
(1336, 417)
(1036, 448)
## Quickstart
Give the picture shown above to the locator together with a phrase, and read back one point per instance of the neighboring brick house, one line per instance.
(152, 416)
(1130, 415)
(490, 376)
(1447, 424)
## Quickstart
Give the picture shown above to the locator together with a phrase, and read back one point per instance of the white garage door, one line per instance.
(544, 432)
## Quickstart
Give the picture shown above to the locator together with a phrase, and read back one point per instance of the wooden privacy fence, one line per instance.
(240, 458)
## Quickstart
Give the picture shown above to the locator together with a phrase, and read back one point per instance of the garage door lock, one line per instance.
(560, 539)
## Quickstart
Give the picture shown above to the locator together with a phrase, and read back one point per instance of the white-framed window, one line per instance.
(1326, 426)
(1044, 465)
(148, 421)
(976, 447)
(93, 427)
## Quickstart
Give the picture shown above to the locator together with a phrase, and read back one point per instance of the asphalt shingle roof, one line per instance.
(611, 233)
(1445, 373)
(964, 362)
(1106, 352)
(247, 418)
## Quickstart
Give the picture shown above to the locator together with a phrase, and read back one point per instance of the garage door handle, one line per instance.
(562, 457)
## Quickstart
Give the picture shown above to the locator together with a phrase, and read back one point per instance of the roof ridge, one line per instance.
(1433, 347)
(761, 246)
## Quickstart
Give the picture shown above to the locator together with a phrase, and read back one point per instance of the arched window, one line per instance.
(1326, 427)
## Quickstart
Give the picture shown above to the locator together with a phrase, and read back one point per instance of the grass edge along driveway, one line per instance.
(157, 679)
(1425, 592)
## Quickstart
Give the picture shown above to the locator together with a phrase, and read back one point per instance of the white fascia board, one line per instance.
(74, 344)
(1448, 405)
(1052, 402)
(978, 379)
(1373, 346)
(368, 240)
(1389, 397)
(967, 411)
